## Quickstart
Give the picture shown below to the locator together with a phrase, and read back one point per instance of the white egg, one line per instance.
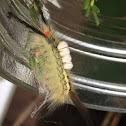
(66, 58)
(68, 66)
(64, 52)
(62, 45)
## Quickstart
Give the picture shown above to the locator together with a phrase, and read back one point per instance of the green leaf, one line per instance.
(39, 60)
(32, 62)
(39, 71)
(36, 60)
(40, 75)
(95, 8)
(88, 11)
(92, 3)
(86, 4)
(96, 17)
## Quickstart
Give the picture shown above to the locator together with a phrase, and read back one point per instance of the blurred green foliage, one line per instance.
(91, 8)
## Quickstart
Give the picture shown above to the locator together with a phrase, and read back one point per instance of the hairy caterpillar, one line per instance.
(51, 62)
(49, 58)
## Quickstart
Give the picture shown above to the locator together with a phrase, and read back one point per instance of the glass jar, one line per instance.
(98, 52)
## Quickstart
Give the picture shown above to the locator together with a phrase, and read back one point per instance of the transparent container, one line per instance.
(98, 52)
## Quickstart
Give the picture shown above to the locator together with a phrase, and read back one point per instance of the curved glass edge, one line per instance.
(101, 101)
(106, 87)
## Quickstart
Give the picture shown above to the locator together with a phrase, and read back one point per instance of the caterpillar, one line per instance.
(50, 59)
(51, 62)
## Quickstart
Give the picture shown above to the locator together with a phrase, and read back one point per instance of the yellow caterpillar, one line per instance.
(49, 58)
(51, 62)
